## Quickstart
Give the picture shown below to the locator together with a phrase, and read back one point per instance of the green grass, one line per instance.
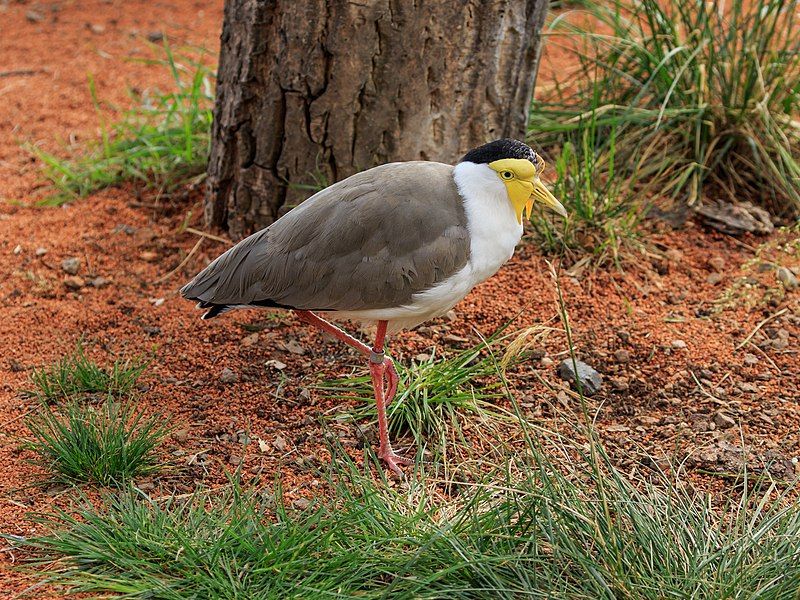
(107, 445)
(701, 102)
(162, 142)
(541, 527)
(604, 212)
(434, 396)
(76, 375)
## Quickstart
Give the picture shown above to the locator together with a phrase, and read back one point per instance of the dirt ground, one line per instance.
(684, 377)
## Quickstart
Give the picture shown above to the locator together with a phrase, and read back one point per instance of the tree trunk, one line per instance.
(312, 91)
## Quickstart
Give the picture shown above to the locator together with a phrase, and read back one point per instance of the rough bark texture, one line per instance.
(312, 91)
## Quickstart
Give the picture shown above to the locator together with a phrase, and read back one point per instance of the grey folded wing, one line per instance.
(370, 241)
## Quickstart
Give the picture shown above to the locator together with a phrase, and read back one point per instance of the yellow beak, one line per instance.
(542, 194)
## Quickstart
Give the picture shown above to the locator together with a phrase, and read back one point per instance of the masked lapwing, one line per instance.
(397, 244)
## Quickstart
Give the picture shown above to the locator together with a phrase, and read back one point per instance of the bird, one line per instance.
(396, 245)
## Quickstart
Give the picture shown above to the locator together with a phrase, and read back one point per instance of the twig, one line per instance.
(767, 356)
(182, 263)
(759, 326)
(20, 72)
(208, 235)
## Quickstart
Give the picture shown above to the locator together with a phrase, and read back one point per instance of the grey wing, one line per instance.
(370, 241)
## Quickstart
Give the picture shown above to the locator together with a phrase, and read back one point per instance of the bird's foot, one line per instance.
(393, 461)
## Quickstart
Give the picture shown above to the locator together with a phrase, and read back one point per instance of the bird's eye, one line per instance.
(507, 175)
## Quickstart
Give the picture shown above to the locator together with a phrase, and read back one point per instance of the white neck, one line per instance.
(493, 226)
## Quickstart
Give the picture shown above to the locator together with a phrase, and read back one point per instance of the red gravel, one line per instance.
(650, 402)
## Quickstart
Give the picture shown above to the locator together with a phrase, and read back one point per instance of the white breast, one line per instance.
(493, 227)
(494, 233)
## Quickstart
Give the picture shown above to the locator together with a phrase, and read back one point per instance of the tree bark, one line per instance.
(311, 91)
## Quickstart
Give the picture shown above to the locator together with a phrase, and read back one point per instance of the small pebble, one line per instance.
(34, 16)
(301, 503)
(294, 347)
(787, 278)
(235, 460)
(622, 356)
(99, 282)
(678, 344)
(71, 265)
(276, 364)
(41, 251)
(181, 435)
(591, 380)
(715, 277)
(750, 359)
(546, 361)
(73, 282)
(17, 250)
(250, 340)
(422, 357)
(620, 384)
(717, 263)
(155, 36)
(228, 376)
(723, 421)
(279, 443)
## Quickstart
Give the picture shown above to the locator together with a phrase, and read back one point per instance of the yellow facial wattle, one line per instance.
(524, 187)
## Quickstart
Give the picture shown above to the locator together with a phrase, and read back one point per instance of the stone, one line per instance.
(678, 344)
(301, 503)
(294, 347)
(591, 380)
(155, 36)
(73, 282)
(235, 460)
(747, 387)
(723, 420)
(546, 361)
(228, 376)
(276, 364)
(279, 443)
(149, 256)
(787, 278)
(99, 282)
(41, 251)
(620, 384)
(717, 263)
(181, 435)
(250, 340)
(622, 356)
(714, 278)
(71, 265)
(750, 359)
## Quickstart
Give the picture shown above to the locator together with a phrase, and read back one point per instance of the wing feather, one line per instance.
(370, 241)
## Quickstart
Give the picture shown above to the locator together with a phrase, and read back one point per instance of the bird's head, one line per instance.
(519, 168)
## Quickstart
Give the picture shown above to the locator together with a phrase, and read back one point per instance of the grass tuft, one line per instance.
(702, 96)
(76, 374)
(604, 211)
(108, 445)
(575, 530)
(434, 395)
(163, 142)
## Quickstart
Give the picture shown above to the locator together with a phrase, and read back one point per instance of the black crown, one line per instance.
(498, 149)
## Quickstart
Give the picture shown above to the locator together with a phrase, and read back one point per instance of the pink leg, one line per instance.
(380, 368)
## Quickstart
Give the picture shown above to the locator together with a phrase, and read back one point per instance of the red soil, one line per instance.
(663, 399)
